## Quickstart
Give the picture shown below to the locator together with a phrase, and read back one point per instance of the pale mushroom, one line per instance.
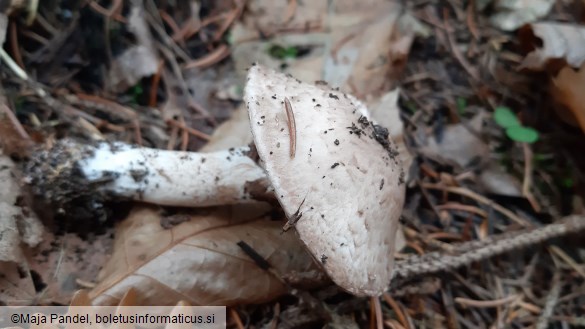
(335, 174)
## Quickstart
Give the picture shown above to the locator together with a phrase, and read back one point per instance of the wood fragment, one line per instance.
(485, 303)
(469, 252)
(254, 255)
(292, 127)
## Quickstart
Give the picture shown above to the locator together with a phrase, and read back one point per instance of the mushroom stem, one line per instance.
(108, 170)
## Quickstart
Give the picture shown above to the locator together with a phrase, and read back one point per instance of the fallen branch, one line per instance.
(469, 252)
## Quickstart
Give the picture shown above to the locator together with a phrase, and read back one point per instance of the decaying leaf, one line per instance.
(567, 90)
(18, 227)
(66, 263)
(199, 260)
(512, 14)
(335, 52)
(16, 284)
(560, 41)
(17, 224)
(138, 61)
(564, 44)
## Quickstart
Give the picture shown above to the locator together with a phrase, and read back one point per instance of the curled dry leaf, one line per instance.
(199, 259)
(563, 42)
(559, 41)
(567, 90)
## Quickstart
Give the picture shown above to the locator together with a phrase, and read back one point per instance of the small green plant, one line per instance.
(280, 52)
(508, 120)
(136, 93)
(461, 105)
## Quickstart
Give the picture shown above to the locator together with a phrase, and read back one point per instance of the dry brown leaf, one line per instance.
(63, 261)
(336, 51)
(17, 224)
(512, 14)
(567, 90)
(199, 260)
(16, 284)
(138, 61)
(270, 17)
(18, 228)
(58, 261)
(367, 66)
(559, 41)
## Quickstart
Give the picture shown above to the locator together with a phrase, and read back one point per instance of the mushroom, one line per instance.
(77, 176)
(335, 173)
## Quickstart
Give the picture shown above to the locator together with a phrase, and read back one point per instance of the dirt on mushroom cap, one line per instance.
(344, 169)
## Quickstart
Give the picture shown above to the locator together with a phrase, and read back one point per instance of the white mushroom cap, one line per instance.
(345, 177)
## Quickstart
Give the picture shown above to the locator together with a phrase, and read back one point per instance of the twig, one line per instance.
(208, 60)
(14, 45)
(471, 21)
(155, 84)
(113, 12)
(234, 14)
(462, 207)
(274, 322)
(486, 303)
(173, 25)
(457, 53)
(399, 313)
(12, 65)
(33, 6)
(375, 301)
(14, 120)
(567, 259)
(190, 130)
(551, 301)
(527, 184)
(234, 314)
(479, 198)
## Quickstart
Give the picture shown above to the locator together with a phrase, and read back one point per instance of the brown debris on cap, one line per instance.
(343, 189)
